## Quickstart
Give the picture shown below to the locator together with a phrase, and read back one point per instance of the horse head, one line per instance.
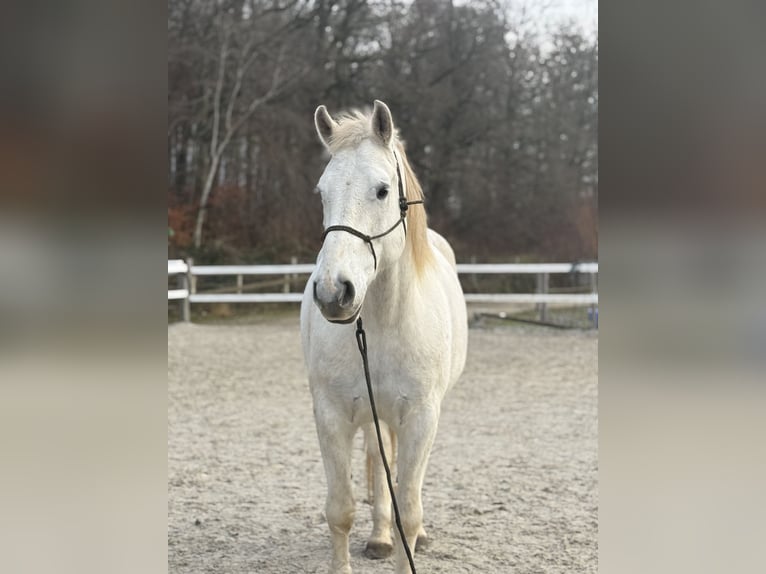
(362, 189)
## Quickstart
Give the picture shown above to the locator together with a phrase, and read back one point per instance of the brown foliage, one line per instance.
(180, 226)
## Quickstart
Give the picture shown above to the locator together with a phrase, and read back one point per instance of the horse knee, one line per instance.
(340, 515)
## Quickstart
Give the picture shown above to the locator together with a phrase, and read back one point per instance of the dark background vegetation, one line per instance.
(500, 121)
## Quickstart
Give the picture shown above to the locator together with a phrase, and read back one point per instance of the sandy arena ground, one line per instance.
(511, 485)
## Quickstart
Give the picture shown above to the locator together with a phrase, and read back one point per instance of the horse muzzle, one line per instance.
(336, 301)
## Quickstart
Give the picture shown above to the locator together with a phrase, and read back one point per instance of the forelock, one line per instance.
(353, 128)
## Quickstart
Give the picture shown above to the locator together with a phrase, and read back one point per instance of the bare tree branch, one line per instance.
(218, 91)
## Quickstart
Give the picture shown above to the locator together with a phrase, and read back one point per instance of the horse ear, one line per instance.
(382, 122)
(324, 125)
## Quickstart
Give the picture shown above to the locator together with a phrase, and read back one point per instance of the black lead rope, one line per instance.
(403, 206)
(361, 341)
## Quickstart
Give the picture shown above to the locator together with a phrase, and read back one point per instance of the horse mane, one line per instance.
(355, 126)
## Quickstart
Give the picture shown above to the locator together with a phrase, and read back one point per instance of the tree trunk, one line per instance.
(202, 213)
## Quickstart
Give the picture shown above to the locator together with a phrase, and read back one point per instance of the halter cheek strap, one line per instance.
(403, 206)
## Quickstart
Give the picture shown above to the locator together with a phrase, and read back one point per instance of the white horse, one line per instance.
(379, 260)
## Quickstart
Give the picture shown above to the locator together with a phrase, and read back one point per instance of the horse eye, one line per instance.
(382, 191)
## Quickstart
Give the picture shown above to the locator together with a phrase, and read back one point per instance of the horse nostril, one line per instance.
(347, 296)
(315, 292)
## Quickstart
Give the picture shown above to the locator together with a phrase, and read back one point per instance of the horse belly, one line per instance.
(455, 320)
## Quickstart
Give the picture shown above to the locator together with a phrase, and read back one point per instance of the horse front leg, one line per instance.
(380, 543)
(416, 436)
(335, 442)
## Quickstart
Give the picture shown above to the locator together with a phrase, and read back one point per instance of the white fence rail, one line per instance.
(188, 272)
(481, 268)
(305, 268)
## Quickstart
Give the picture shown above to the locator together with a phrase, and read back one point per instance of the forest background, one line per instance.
(497, 103)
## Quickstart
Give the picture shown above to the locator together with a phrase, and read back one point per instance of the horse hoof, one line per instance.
(378, 550)
(422, 543)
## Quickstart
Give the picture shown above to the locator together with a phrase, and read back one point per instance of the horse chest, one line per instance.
(399, 384)
(393, 401)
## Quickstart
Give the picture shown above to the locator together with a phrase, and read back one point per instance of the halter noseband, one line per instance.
(403, 206)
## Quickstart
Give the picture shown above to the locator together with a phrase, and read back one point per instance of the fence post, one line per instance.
(594, 289)
(542, 287)
(183, 283)
(288, 276)
(474, 281)
(192, 278)
(239, 283)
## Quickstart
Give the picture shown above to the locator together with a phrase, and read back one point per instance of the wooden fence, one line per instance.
(187, 274)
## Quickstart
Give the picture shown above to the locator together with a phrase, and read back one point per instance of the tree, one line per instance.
(500, 126)
(237, 92)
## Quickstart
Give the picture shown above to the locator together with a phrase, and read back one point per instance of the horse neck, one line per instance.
(391, 294)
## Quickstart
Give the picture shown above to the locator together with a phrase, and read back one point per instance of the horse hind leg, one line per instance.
(380, 543)
(423, 540)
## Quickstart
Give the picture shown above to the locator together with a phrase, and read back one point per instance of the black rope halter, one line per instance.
(403, 206)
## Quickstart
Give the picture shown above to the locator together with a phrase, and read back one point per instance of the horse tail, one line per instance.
(392, 459)
(370, 473)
